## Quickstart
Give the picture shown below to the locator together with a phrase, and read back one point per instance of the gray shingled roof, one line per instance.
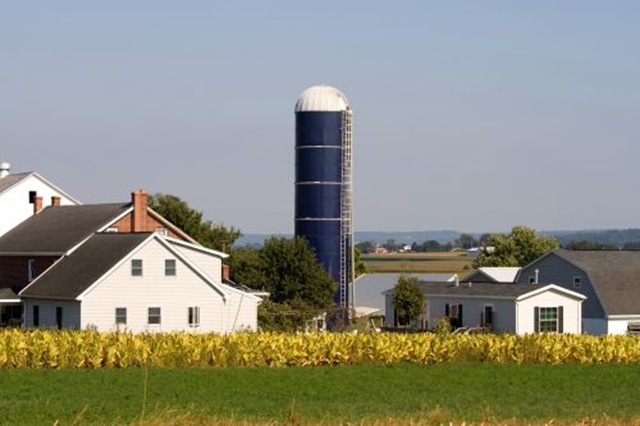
(72, 275)
(56, 229)
(8, 294)
(615, 276)
(478, 289)
(12, 179)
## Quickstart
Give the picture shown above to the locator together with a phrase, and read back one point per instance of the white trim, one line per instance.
(192, 266)
(55, 262)
(10, 301)
(43, 180)
(26, 176)
(551, 287)
(623, 317)
(118, 264)
(468, 296)
(58, 189)
(196, 247)
(113, 220)
(170, 225)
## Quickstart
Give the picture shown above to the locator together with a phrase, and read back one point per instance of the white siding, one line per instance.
(617, 326)
(70, 313)
(14, 202)
(211, 265)
(472, 308)
(174, 295)
(571, 311)
(241, 312)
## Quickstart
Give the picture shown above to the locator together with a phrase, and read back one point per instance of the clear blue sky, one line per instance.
(473, 116)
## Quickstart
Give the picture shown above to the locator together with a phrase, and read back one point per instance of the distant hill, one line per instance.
(615, 237)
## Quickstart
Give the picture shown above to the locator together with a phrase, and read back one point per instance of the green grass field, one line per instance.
(471, 393)
(457, 262)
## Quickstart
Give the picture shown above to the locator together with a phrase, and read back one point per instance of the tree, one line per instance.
(178, 212)
(246, 267)
(292, 272)
(589, 245)
(298, 285)
(359, 266)
(466, 241)
(366, 247)
(522, 246)
(408, 300)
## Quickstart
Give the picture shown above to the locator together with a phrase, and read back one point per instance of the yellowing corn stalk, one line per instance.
(90, 349)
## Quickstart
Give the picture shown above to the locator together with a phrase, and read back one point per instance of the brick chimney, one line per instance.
(37, 204)
(225, 272)
(55, 200)
(140, 201)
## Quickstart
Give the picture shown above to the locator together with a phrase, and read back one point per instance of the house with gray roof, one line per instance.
(609, 279)
(142, 282)
(499, 307)
(33, 246)
(26, 193)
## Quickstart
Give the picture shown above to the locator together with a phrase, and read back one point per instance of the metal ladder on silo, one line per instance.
(346, 210)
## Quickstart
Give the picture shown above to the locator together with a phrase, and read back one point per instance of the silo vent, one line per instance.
(5, 169)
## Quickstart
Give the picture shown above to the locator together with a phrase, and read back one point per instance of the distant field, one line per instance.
(436, 263)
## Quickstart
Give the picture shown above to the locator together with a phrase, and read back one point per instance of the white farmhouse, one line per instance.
(23, 194)
(139, 282)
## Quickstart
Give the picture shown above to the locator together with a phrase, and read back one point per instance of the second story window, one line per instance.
(136, 267)
(170, 267)
(577, 282)
(31, 270)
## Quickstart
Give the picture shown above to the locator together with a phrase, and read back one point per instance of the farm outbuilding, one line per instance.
(502, 308)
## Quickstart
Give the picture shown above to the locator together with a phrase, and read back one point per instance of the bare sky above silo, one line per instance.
(473, 116)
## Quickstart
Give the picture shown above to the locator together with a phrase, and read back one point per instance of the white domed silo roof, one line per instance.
(322, 98)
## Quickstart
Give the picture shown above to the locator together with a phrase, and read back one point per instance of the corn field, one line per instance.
(90, 349)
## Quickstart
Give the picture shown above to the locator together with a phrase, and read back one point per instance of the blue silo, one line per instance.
(323, 182)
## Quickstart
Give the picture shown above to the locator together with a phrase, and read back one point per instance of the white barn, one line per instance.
(502, 308)
(609, 279)
(140, 282)
(23, 194)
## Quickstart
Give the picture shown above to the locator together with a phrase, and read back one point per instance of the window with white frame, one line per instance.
(136, 267)
(577, 282)
(154, 316)
(170, 267)
(548, 319)
(194, 316)
(121, 316)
